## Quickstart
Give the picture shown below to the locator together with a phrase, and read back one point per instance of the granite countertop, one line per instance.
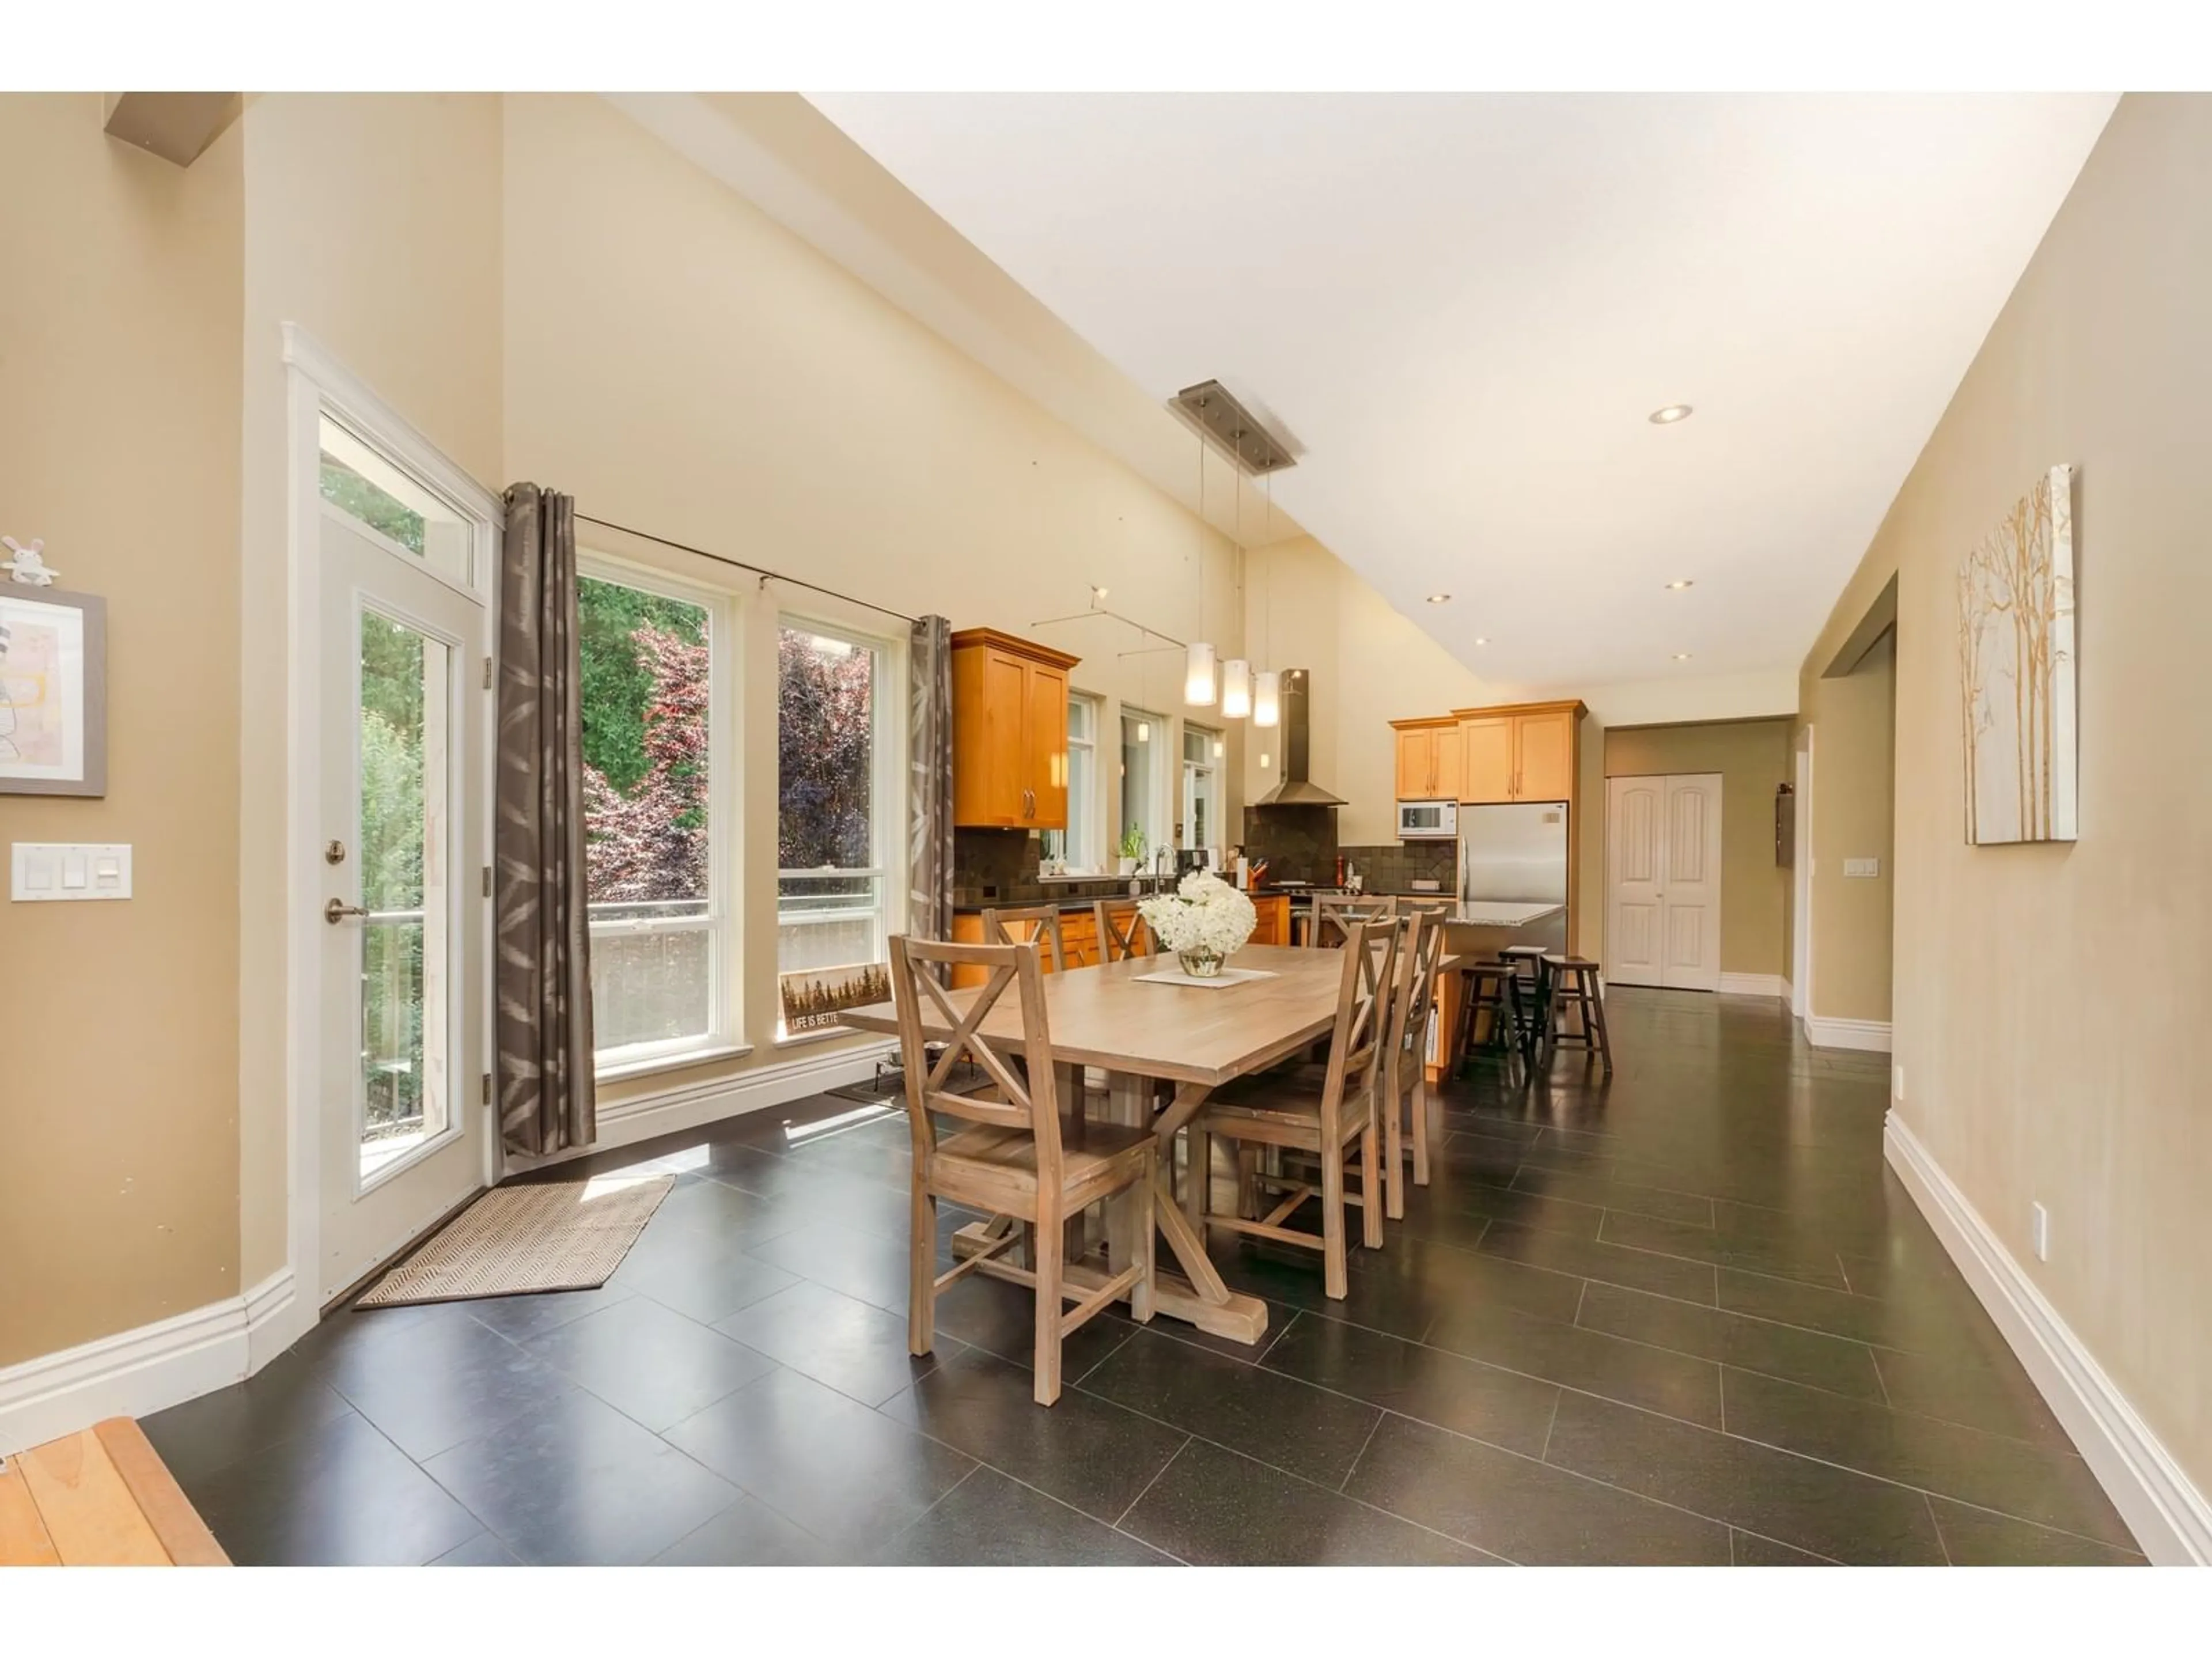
(1500, 913)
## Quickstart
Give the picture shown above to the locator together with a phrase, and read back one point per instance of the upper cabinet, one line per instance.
(1428, 759)
(1522, 751)
(1009, 731)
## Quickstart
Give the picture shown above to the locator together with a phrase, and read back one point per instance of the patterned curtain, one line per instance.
(542, 976)
(929, 790)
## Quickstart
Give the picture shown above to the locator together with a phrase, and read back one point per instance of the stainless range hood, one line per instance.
(1296, 789)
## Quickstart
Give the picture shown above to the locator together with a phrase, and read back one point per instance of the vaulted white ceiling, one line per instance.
(1464, 308)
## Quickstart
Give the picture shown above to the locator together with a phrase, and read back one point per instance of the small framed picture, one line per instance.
(53, 692)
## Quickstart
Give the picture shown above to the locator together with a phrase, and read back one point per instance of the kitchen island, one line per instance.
(1476, 930)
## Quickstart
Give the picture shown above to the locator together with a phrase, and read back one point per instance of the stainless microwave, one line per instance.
(1427, 820)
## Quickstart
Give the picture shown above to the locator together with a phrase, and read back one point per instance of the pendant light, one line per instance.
(1197, 687)
(1267, 684)
(1235, 688)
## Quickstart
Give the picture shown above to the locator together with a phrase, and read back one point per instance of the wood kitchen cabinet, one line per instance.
(1009, 731)
(1522, 751)
(1428, 759)
(1271, 919)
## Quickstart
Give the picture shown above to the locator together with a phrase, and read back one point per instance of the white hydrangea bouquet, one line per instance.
(1204, 921)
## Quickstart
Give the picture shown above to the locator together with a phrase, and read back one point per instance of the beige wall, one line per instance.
(373, 221)
(2050, 999)
(681, 363)
(1753, 758)
(1851, 723)
(120, 446)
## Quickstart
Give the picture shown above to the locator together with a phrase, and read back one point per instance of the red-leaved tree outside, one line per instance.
(651, 844)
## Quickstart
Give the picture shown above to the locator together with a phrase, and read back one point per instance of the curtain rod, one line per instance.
(765, 574)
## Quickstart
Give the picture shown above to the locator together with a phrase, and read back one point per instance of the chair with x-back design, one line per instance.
(1122, 931)
(1021, 1159)
(1319, 1110)
(1039, 923)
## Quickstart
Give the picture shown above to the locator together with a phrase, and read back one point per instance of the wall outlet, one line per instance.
(1897, 1083)
(1862, 866)
(2039, 1231)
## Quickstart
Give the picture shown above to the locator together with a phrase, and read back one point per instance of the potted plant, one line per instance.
(1204, 921)
(1132, 849)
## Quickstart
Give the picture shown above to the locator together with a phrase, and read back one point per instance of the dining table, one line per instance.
(1273, 1001)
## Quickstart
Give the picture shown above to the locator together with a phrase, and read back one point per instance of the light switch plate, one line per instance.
(51, 872)
(1862, 866)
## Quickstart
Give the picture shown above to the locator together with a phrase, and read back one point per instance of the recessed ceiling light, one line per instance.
(1681, 656)
(1439, 599)
(1669, 415)
(1676, 587)
(1482, 641)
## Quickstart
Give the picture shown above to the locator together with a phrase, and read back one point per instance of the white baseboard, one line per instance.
(138, 1372)
(1868, 1033)
(1753, 985)
(2170, 1518)
(1790, 995)
(689, 1106)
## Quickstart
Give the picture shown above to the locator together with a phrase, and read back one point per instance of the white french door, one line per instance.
(1662, 856)
(402, 787)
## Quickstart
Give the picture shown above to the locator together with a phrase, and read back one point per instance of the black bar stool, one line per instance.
(1494, 988)
(1534, 991)
(1572, 985)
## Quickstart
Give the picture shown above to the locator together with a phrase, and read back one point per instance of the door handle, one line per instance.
(338, 910)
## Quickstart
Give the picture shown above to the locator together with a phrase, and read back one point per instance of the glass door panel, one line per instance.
(406, 969)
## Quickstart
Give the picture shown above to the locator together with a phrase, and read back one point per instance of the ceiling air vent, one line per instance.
(1210, 408)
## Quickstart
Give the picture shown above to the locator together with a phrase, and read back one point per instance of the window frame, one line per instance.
(1212, 766)
(887, 767)
(1073, 840)
(726, 997)
(1161, 832)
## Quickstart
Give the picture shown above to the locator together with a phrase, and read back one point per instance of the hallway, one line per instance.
(1685, 1315)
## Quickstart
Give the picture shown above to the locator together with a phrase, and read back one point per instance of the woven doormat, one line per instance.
(514, 1241)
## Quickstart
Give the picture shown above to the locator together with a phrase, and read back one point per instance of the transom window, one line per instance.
(360, 482)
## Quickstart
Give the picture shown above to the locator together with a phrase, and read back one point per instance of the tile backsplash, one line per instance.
(1395, 866)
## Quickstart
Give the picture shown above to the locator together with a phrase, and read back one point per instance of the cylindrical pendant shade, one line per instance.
(1236, 687)
(1267, 698)
(1198, 679)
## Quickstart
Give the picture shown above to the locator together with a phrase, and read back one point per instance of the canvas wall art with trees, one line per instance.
(2016, 672)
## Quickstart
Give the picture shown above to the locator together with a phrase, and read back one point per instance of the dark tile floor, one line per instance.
(1683, 1315)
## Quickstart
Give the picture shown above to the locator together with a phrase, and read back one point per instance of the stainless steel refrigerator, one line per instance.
(1514, 853)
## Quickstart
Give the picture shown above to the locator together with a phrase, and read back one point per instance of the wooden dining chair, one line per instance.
(1318, 1111)
(1122, 931)
(1037, 922)
(1021, 1159)
(1335, 913)
(1403, 1093)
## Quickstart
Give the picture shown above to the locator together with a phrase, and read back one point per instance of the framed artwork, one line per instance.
(2016, 672)
(53, 692)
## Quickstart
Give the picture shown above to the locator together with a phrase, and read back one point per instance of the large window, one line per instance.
(658, 923)
(1075, 849)
(1201, 790)
(1145, 826)
(836, 815)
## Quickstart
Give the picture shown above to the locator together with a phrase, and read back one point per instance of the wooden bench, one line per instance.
(101, 1497)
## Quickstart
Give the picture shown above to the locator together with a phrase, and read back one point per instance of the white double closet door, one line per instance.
(1662, 858)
